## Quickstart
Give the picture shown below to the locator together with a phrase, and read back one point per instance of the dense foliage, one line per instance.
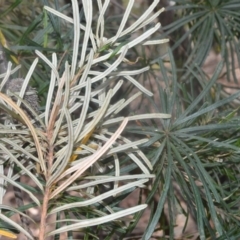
(180, 147)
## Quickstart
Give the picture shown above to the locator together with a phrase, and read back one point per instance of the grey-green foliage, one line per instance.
(207, 25)
(200, 152)
(200, 145)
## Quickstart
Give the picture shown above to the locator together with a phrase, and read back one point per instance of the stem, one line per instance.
(44, 214)
(47, 192)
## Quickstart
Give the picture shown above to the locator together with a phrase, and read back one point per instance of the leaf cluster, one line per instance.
(72, 149)
(195, 154)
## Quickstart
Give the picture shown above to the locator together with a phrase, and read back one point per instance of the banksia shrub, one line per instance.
(77, 147)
